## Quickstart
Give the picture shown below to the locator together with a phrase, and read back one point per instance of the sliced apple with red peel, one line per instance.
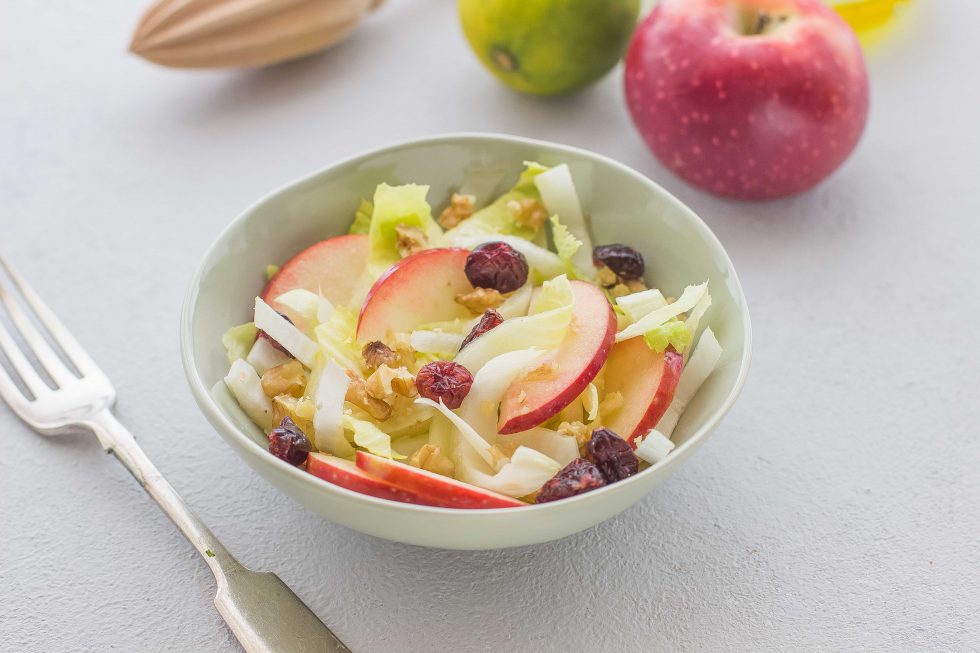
(331, 267)
(347, 475)
(647, 381)
(417, 290)
(434, 489)
(560, 378)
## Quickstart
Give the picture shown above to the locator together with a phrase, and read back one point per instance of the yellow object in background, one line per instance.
(870, 18)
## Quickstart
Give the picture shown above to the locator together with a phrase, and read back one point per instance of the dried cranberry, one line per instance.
(489, 320)
(444, 380)
(576, 477)
(498, 266)
(612, 455)
(625, 261)
(288, 442)
(272, 341)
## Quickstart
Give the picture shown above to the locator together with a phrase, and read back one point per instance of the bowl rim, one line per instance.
(228, 429)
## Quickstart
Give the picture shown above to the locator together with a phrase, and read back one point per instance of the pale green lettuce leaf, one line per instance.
(394, 206)
(238, 340)
(560, 197)
(688, 300)
(636, 305)
(672, 333)
(370, 437)
(338, 341)
(495, 218)
(362, 218)
(566, 245)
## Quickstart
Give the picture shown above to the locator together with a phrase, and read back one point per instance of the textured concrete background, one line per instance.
(838, 506)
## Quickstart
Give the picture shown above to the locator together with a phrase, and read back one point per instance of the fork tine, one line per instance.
(59, 332)
(55, 367)
(22, 366)
(11, 394)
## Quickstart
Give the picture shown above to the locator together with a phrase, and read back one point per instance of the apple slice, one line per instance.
(434, 489)
(647, 380)
(535, 397)
(346, 474)
(331, 267)
(417, 290)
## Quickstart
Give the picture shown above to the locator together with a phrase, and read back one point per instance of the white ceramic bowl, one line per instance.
(624, 206)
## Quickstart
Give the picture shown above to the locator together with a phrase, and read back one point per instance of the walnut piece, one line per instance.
(480, 300)
(286, 379)
(619, 290)
(528, 212)
(377, 354)
(431, 459)
(401, 343)
(606, 277)
(387, 382)
(358, 395)
(460, 207)
(636, 285)
(409, 240)
(617, 286)
(581, 432)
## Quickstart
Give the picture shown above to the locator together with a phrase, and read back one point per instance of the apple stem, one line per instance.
(756, 23)
(762, 20)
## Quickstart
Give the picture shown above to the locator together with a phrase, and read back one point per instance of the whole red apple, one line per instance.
(751, 99)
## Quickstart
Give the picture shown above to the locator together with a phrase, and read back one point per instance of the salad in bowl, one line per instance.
(471, 357)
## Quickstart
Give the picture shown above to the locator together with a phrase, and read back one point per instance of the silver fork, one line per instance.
(262, 612)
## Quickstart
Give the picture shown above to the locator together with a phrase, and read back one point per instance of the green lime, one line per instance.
(547, 47)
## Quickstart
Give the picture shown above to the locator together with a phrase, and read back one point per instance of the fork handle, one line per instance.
(263, 613)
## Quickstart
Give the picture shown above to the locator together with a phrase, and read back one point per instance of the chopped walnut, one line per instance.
(619, 290)
(300, 410)
(636, 285)
(402, 345)
(617, 286)
(357, 394)
(410, 240)
(528, 212)
(612, 402)
(377, 354)
(606, 277)
(431, 459)
(480, 300)
(286, 379)
(460, 207)
(387, 382)
(581, 432)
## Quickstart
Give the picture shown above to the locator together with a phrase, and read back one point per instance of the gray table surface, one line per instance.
(837, 507)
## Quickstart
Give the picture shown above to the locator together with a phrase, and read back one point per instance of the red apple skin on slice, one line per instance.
(434, 489)
(418, 289)
(332, 267)
(535, 398)
(647, 380)
(346, 474)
